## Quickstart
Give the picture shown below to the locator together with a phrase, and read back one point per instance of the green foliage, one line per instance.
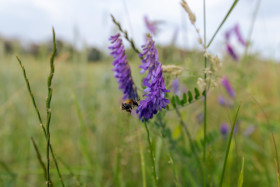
(240, 179)
(186, 99)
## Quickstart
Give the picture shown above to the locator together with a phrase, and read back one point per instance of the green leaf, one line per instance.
(167, 107)
(177, 99)
(240, 179)
(228, 146)
(190, 96)
(173, 102)
(197, 94)
(184, 100)
(204, 93)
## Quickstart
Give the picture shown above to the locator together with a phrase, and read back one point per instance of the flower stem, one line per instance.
(152, 155)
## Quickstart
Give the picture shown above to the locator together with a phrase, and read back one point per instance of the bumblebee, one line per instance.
(128, 105)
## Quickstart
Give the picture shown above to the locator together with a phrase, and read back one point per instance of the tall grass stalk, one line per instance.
(151, 155)
(228, 146)
(39, 115)
(205, 77)
(205, 98)
(48, 106)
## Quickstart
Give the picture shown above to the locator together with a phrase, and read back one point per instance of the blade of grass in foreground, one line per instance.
(240, 179)
(228, 146)
(225, 18)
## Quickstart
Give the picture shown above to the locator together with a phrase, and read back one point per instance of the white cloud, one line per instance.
(32, 20)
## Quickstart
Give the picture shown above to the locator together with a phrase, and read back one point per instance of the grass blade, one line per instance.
(228, 146)
(225, 18)
(240, 179)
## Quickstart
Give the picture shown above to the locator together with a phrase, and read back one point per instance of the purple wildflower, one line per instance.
(224, 102)
(151, 26)
(122, 69)
(176, 86)
(224, 129)
(232, 52)
(154, 82)
(225, 82)
(238, 34)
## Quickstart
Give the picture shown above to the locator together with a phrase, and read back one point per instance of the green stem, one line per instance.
(225, 18)
(48, 107)
(39, 118)
(152, 155)
(228, 146)
(130, 40)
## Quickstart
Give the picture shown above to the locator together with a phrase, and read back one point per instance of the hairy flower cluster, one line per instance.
(172, 70)
(189, 11)
(122, 69)
(192, 19)
(211, 71)
(234, 31)
(154, 82)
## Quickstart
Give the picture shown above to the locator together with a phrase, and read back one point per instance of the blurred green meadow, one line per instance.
(97, 144)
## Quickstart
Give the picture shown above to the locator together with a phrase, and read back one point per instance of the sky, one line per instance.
(88, 22)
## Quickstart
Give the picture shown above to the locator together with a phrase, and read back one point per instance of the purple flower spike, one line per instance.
(238, 34)
(224, 129)
(151, 26)
(154, 82)
(122, 69)
(225, 82)
(232, 52)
